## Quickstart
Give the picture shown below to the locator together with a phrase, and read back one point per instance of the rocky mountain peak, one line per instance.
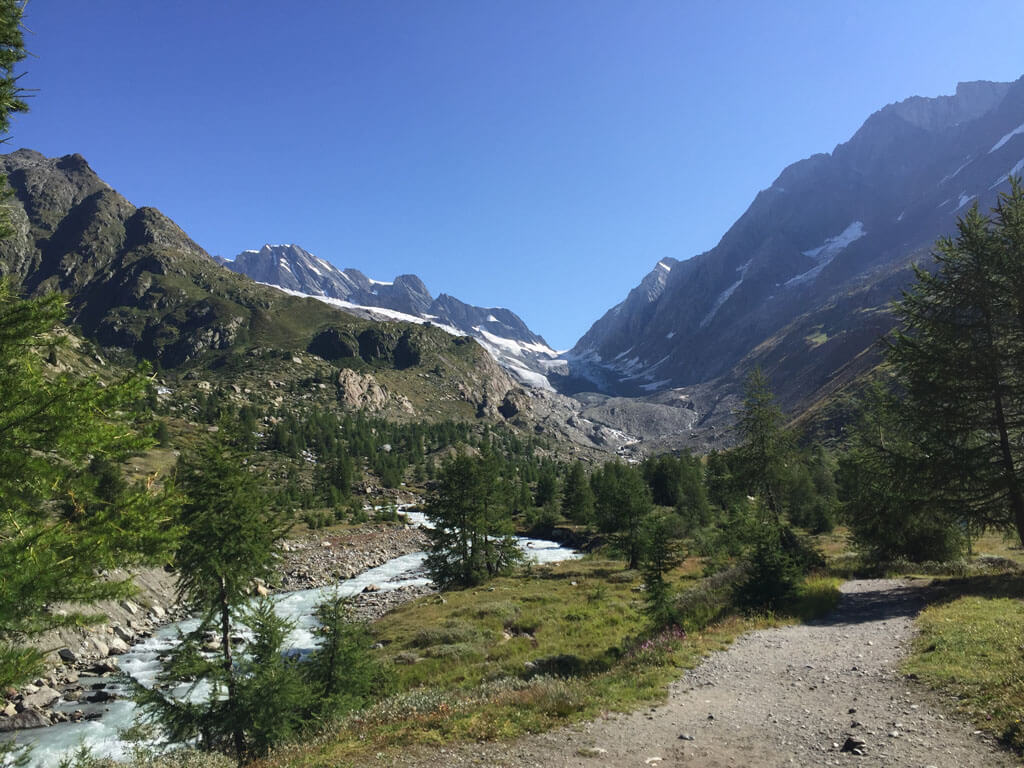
(971, 101)
(800, 284)
(499, 330)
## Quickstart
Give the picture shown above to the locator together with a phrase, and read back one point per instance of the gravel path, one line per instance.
(779, 697)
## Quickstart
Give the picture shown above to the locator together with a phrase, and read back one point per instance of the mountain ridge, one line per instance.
(830, 226)
(499, 330)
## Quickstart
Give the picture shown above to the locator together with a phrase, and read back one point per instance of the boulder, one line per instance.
(44, 697)
(28, 718)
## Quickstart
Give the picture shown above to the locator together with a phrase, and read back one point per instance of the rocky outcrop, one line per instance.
(360, 391)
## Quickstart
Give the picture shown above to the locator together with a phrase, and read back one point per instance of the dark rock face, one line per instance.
(121, 266)
(801, 282)
(332, 344)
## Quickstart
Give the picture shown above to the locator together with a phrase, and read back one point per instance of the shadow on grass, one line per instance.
(909, 600)
(1010, 585)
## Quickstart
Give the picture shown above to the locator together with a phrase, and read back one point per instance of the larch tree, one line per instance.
(761, 459)
(622, 501)
(957, 362)
(231, 531)
(470, 510)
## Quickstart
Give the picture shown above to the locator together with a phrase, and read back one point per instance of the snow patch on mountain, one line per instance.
(1018, 130)
(725, 295)
(827, 251)
(514, 346)
(1013, 172)
(954, 174)
(515, 356)
(654, 386)
(964, 200)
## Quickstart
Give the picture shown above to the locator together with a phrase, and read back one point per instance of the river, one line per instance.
(142, 662)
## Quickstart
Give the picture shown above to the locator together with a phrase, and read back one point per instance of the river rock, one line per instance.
(28, 718)
(125, 634)
(44, 697)
(854, 745)
(67, 655)
(104, 666)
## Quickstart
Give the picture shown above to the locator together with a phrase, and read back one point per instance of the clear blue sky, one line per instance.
(537, 154)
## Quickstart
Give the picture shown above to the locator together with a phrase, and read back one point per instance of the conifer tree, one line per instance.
(65, 511)
(622, 501)
(661, 533)
(957, 362)
(760, 461)
(472, 535)
(577, 497)
(230, 538)
(56, 532)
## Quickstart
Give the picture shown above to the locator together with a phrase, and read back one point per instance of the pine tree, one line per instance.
(760, 461)
(661, 534)
(957, 366)
(341, 672)
(622, 501)
(577, 497)
(65, 511)
(472, 535)
(231, 532)
(891, 513)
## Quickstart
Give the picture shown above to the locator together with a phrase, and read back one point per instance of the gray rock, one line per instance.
(44, 697)
(28, 718)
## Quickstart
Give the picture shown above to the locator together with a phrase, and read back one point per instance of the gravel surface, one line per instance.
(778, 697)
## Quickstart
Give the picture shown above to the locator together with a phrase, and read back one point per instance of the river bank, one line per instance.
(310, 560)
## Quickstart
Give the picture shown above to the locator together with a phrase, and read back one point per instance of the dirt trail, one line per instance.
(779, 697)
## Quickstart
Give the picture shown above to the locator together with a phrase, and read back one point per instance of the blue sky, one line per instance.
(538, 155)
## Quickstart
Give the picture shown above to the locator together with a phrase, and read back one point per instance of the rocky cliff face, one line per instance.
(801, 282)
(133, 278)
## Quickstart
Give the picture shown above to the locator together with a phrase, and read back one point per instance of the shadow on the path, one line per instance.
(891, 602)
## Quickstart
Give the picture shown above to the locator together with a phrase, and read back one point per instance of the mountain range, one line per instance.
(501, 332)
(800, 285)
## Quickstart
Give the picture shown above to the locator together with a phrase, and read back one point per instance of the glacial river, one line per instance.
(142, 662)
